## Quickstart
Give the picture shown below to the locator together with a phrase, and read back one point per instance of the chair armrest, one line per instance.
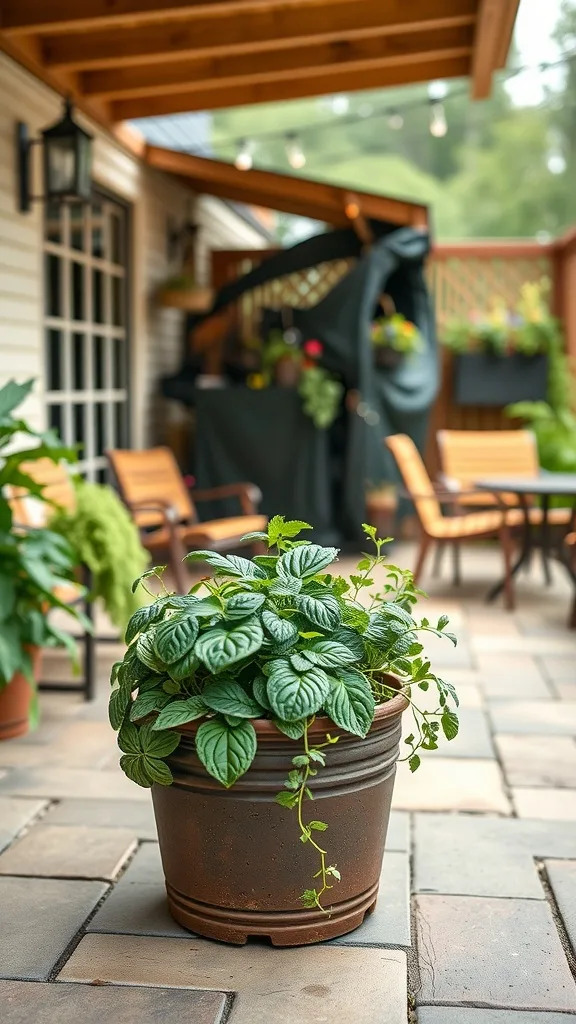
(249, 495)
(168, 512)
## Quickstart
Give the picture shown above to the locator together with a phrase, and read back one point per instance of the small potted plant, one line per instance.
(393, 336)
(264, 709)
(34, 563)
(381, 506)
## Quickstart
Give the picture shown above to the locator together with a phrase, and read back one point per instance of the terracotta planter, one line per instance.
(287, 372)
(233, 864)
(15, 703)
(382, 514)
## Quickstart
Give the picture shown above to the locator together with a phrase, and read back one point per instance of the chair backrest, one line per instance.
(468, 455)
(58, 488)
(416, 479)
(150, 475)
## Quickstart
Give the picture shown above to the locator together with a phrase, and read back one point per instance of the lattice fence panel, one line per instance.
(466, 284)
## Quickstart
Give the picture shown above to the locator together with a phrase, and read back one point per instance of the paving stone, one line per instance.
(552, 804)
(445, 784)
(40, 916)
(536, 761)
(473, 740)
(459, 1015)
(470, 855)
(398, 835)
(389, 923)
(565, 689)
(538, 718)
(69, 851)
(492, 623)
(136, 815)
(512, 675)
(498, 952)
(557, 669)
(549, 644)
(562, 878)
(15, 813)
(24, 1003)
(137, 905)
(59, 783)
(443, 654)
(469, 694)
(77, 745)
(275, 986)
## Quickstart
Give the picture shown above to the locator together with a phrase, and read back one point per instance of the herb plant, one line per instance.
(33, 562)
(277, 637)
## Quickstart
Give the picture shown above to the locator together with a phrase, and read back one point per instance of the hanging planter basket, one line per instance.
(481, 378)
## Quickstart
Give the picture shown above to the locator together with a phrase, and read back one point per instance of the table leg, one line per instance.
(524, 556)
(545, 539)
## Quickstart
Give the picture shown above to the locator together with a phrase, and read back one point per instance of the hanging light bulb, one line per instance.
(395, 120)
(438, 122)
(294, 152)
(243, 160)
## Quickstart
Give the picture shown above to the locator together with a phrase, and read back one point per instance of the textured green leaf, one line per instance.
(230, 698)
(281, 630)
(145, 771)
(7, 597)
(142, 618)
(260, 692)
(146, 650)
(239, 606)
(323, 610)
(449, 722)
(225, 751)
(301, 562)
(257, 535)
(145, 703)
(12, 394)
(330, 654)
(231, 565)
(223, 646)
(295, 695)
(118, 705)
(202, 607)
(414, 762)
(266, 562)
(184, 667)
(156, 571)
(175, 637)
(350, 703)
(157, 744)
(286, 586)
(129, 739)
(179, 712)
(350, 638)
(300, 662)
(292, 729)
(10, 651)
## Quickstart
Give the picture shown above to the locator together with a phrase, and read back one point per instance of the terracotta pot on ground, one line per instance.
(232, 858)
(15, 703)
(381, 513)
(287, 372)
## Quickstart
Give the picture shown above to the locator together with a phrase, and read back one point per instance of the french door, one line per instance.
(86, 327)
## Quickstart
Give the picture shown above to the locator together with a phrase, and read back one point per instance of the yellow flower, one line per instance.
(256, 381)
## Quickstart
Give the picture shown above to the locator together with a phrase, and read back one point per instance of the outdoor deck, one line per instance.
(483, 836)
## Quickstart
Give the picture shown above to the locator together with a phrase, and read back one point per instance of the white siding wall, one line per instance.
(155, 199)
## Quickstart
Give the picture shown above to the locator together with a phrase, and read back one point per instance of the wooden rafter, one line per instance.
(210, 98)
(494, 25)
(277, 65)
(283, 192)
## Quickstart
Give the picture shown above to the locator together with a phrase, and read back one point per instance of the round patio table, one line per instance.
(544, 486)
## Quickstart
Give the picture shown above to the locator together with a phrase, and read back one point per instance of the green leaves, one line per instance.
(174, 638)
(329, 654)
(280, 629)
(12, 394)
(305, 561)
(279, 530)
(321, 608)
(179, 713)
(142, 618)
(230, 698)
(239, 606)
(449, 723)
(293, 694)
(145, 703)
(225, 751)
(143, 751)
(146, 650)
(350, 703)
(232, 565)
(223, 646)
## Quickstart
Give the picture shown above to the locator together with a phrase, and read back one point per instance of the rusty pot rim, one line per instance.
(265, 726)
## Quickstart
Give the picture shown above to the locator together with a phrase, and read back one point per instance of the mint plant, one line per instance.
(277, 637)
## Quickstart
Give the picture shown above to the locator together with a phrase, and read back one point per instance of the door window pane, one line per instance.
(116, 246)
(54, 378)
(53, 279)
(98, 296)
(78, 362)
(77, 226)
(55, 418)
(99, 416)
(117, 301)
(96, 217)
(53, 222)
(78, 293)
(79, 429)
(118, 369)
(99, 362)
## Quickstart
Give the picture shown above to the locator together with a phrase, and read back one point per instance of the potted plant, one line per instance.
(393, 338)
(34, 563)
(268, 686)
(381, 506)
(503, 356)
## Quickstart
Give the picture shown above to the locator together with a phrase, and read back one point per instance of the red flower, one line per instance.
(313, 348)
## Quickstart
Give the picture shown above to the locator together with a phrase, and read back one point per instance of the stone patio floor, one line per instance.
(476, 921)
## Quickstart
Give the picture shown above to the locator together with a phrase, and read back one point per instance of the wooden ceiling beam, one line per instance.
(335, 80)
(283, 192)
(256, 31)
(277, 65)
(494, 25)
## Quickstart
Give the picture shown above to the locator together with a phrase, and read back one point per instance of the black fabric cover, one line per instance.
(231, 446)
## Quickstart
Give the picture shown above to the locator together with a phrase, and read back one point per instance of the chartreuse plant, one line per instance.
(279, 638)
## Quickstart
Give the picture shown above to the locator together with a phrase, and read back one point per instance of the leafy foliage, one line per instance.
(33, 562)
(278, 638)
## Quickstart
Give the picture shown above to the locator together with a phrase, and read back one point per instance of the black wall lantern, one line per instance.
(66, 161)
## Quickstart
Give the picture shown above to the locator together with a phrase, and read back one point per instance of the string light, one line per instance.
(243, 160)
(294, 152)
(395, 120)
(438, 122)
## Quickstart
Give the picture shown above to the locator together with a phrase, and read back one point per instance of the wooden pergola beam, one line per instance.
(279, 65)
(211, 34)
(283, 192)
(494, 25)
(336, 79)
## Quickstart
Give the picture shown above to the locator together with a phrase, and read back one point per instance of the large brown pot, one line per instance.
(15, 703)
(233, 862)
